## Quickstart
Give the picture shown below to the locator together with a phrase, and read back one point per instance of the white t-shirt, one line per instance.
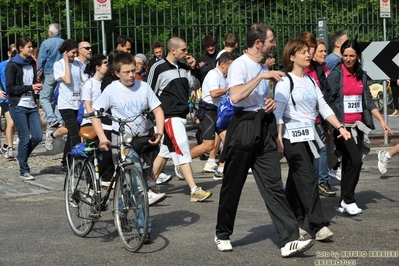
(69, 94)
(214, 80)
(241, 71)
(90, 92)
(308, 100)
(27, 100)
(128, 102)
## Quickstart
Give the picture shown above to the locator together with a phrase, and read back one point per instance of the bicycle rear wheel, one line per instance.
(131, 209)
(79, 196)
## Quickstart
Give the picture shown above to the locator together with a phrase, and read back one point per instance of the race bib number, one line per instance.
(300, 132)
(353, 104)
(76, 96)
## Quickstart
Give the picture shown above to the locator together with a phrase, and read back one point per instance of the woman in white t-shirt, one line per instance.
(70, 76)
(298, 141)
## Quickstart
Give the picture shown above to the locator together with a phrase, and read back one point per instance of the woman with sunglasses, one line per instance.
(70, 77)
(21, 86)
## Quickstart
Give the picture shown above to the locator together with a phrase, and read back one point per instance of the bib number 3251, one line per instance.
(299, 132)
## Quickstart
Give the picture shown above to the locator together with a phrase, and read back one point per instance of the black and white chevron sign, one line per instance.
(380, 59)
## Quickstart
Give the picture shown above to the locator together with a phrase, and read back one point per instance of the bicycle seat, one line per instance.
(87, 132)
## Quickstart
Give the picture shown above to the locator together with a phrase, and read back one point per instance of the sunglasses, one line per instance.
(87, 48)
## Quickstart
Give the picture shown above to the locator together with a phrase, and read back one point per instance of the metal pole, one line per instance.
(385, 86)
(68, 20)
(103, 37)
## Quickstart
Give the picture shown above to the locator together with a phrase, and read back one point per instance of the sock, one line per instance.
(151, 184)
(193, 189)
(220, 169)
(388, 156)
(211, 160)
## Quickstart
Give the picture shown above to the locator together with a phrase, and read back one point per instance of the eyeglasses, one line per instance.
(127, 72)
(87, 48)
(140, 63)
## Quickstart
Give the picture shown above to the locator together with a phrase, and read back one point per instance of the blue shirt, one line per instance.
(3, 77)
(332, 60)
(49, 54)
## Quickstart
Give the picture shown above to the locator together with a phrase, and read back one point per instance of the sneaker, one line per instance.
(382, 162)
(335, 173)
(53, 123)
(178, 172)
(4, 151)
(223, 245)
(395, 113)
(325, 190)
(147, 239)
(218, 175)
(16, 142)
(49, 140)
(296, 246)
(27, 176)
(324, 234)
(210, 167)
(200, 195)
(163, 178)
(155, 197)
(10, 154)
(302, 234)
(351, 209)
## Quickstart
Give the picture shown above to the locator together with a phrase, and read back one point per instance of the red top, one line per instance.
(351, 87)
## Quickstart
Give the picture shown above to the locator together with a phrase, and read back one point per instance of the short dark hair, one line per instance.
(123, 59)
(122, 40)
(95, 60)
(226, 57)
(336, 36)
(257, 31)
(230, 40)
(157, 44)
(22, 41)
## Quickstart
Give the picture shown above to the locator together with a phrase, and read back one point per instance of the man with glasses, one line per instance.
(48, 55)
(84, 55)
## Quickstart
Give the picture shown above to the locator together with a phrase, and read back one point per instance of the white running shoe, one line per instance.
(154, 197)
(179, 173)
(296, 246)
(162, 178)
(223, 245)
(324, 234)
(210, 167)
(335, 173)
(383, 162)
(351, 209)
(48, 143)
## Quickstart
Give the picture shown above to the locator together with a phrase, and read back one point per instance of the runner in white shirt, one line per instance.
(298, 140)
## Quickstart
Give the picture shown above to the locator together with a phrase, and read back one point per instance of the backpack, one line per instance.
(226, 111)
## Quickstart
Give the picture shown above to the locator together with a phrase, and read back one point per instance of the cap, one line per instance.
(142, 57)
(208, 40)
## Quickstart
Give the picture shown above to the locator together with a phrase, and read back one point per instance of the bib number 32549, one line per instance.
(299, 132)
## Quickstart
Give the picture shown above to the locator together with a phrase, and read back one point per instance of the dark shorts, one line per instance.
(208, 125)
(4, 108)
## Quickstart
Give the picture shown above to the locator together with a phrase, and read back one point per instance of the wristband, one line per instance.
(340, 127)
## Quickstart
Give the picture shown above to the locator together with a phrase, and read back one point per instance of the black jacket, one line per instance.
(15, 83)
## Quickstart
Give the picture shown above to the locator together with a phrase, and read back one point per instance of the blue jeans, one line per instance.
(46, 97)
(320, 164)
(28, 123)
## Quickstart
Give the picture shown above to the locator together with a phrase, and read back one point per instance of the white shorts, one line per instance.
(176, 141)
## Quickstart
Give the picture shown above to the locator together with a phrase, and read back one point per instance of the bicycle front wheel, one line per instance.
(79, 196)
(131, 209)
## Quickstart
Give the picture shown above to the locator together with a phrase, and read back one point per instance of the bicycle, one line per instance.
(83, 200)
(376, 91)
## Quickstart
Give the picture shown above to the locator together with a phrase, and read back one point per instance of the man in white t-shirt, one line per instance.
(251, 143)
(213, 87)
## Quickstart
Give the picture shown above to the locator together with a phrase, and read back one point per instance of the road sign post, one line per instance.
(103, 11)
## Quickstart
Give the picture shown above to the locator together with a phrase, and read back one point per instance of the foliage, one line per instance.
(147, 21)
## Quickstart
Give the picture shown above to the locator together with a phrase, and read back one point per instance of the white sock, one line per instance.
(211, 160)
(220, 169)
(193, 189)
(388, 156)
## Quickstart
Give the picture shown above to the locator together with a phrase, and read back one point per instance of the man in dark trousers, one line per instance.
(251, 143)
